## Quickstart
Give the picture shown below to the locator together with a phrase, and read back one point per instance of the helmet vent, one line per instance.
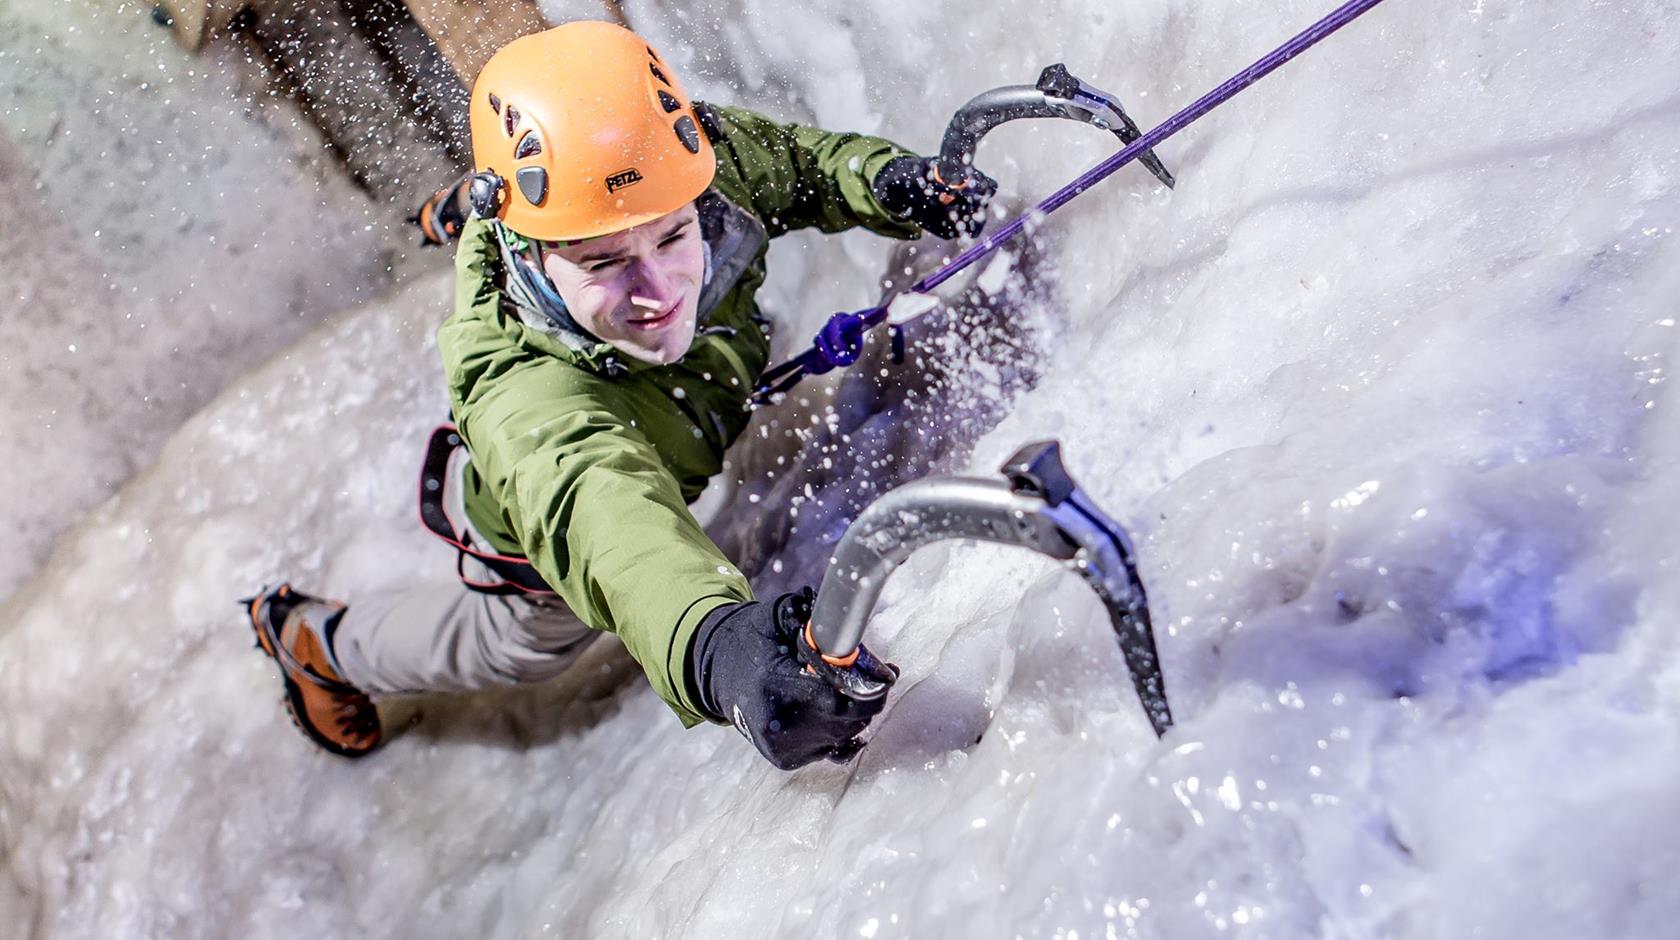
(688, 133)
(510, 119)
(659, 75)
(529, 146)
(668, 103)
(495, 104)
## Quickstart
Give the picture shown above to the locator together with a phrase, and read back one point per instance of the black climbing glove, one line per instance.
(911, 186)
(745, 669)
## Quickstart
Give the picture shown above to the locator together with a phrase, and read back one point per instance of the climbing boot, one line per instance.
(296, 629)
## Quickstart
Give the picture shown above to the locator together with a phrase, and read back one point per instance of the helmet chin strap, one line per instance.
(528, 285)
(706, 273)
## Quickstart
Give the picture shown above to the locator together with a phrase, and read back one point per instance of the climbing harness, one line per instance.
(840, 342)
(517, 573)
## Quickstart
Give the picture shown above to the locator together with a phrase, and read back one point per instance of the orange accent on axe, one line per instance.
(841, 662)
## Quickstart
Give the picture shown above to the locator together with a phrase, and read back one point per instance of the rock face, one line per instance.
(468, 31)
(464, 32)
(195, 21)
(367, 77)
(384, 81)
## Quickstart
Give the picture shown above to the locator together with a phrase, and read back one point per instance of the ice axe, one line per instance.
(1058, 94)
(1036, 506)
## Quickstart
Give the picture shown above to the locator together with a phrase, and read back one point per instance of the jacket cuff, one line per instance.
(683, 699)
(883, 220)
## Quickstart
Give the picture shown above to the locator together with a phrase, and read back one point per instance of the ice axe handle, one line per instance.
(975, 119)
(858, 675)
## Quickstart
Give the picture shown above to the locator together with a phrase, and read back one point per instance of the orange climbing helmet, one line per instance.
(582, 130)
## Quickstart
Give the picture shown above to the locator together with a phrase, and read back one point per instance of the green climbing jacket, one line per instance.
(584, 460)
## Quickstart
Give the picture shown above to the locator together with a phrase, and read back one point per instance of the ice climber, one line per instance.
(599, 359)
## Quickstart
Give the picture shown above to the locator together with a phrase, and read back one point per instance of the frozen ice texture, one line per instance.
(168, 225)
(1381, 390)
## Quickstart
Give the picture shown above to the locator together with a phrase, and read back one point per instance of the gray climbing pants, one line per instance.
(449, 638)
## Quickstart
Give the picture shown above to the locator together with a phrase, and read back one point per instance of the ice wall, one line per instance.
(172, 221)
(1380, 388)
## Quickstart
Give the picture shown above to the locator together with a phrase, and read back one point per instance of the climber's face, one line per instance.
(637, 289)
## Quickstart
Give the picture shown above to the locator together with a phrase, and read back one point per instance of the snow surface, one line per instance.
(1380, 390)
